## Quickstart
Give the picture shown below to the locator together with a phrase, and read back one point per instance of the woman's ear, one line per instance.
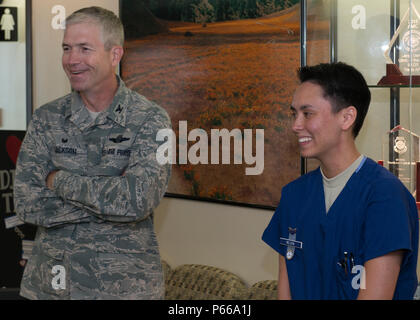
(349, 115)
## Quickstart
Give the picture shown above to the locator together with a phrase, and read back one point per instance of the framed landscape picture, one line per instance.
(225, 72)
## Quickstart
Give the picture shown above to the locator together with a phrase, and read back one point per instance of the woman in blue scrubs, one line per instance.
(350, 228)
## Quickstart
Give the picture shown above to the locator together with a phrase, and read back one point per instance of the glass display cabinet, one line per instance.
(381, 38)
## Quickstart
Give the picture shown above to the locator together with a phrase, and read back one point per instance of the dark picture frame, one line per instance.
(256, 100)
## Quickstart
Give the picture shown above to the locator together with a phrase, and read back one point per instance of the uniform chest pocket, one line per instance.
(117, 149)
(67, 153)
(350, 276)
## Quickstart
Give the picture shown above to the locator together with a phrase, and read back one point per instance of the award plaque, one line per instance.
(406, 40)
(401, 155)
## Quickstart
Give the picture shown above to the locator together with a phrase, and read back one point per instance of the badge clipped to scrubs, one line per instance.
(291, 243)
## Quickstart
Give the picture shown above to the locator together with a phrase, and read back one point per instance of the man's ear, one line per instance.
(349, 115)
(116, 55)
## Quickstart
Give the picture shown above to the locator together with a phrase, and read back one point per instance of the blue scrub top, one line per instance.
(373, 215)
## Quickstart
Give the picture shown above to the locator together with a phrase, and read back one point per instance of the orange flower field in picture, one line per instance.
(238, 74)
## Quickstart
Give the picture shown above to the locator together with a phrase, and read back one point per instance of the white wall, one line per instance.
(224, 236)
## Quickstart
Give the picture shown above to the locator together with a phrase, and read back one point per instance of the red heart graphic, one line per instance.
(13, 146)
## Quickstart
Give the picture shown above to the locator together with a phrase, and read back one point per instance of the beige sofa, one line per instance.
(202, 282)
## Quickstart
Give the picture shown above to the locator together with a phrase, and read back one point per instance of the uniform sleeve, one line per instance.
(389, 221)
(126, 198)
(272, 233)
(34, 202)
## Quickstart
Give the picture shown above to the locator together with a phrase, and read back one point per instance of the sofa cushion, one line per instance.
(263, 290)
(202, 282)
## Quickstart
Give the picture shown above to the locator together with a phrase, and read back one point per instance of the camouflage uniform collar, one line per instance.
(118, 108)
(116, 111)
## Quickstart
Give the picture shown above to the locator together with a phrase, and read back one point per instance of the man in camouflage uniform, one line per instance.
(88, 177)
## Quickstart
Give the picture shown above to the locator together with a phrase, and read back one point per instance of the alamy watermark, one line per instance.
(198, 153)
(58, 282)
(359, 280)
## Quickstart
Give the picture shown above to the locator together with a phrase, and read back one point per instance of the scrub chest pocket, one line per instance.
(350, 276)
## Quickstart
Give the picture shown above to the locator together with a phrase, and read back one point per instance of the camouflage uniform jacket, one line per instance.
(95, 237)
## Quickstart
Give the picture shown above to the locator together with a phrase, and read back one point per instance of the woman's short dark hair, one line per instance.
(343, 86)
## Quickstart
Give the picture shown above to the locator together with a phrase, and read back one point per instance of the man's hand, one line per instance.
(50, 179)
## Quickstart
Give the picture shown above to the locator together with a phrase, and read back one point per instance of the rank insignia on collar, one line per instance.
(119, 109)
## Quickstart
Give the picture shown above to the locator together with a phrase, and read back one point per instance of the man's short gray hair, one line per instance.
(112, 28)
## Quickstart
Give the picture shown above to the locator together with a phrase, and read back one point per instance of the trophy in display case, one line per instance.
(400, 151)
(406, 41)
